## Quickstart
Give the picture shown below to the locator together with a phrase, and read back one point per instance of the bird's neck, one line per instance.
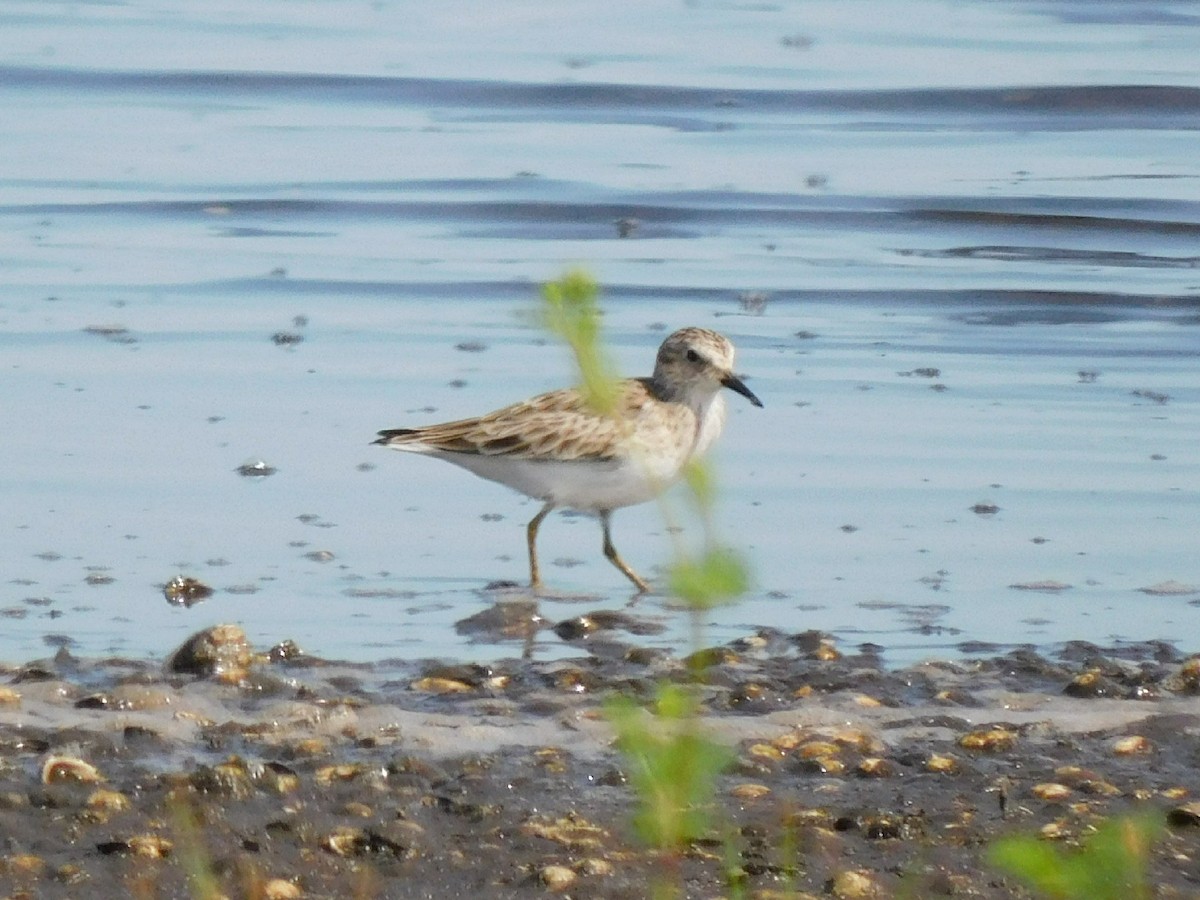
(710, 419)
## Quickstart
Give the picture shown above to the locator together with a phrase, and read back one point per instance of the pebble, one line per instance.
(557, 878)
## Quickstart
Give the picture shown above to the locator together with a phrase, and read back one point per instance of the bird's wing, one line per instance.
(559, 425)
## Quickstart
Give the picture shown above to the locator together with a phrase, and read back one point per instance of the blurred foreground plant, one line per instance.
(673, 764)
(1111, 865)
(572, 311)
(193, 855)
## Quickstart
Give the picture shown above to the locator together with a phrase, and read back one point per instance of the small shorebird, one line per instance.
(556, 448)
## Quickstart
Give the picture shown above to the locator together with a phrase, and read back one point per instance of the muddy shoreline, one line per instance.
(282, 775)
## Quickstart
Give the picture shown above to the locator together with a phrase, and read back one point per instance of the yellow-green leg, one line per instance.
(535, 575)
(615, 558)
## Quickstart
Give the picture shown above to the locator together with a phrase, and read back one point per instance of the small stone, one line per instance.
(23, 864)
(1186, 680)
(1133, 745)
(150, 846)
(256, 468)
(185, 591)
(1184, 816)
(825, 765)
(595, 866)
(441, 686)
(281, 889)
(765, 751)
(989, 740)
(857, 739)
(875, 767)
(788, 741)
(346, 841)
(825, 652)
(1098, 788)
(942, 764)
(571, 831)
(1048, 586)
(557, 878)
(749, 792)
(342, 772)
(230, 778)
(854, 884)
(103, 800)
(1091, 684)
(69, 770)
(278, 778)
(285, 651)
(311, 746)
(1170, 589)
(221, 652)
(1054, 831)
(1051, 792)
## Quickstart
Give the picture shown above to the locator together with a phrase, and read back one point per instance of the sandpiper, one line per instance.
(556, 448)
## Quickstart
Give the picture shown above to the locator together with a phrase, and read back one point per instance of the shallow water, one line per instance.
(1004, 192)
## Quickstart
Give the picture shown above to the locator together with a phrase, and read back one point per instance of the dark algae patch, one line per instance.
(274, 774)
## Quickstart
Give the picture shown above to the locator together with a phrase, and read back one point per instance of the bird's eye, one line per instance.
(693, 356)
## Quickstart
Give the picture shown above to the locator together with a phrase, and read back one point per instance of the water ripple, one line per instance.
(1084, 107)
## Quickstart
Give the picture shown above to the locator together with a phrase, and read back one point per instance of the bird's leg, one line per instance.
(535, 576)
(615, 558)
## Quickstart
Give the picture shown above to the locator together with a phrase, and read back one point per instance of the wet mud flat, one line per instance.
(274, 774)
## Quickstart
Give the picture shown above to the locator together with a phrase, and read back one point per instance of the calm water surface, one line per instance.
(957, 246)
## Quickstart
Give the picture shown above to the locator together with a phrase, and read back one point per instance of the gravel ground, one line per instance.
(273, 774)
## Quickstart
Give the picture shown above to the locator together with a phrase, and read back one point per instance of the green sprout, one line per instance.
(674, 765)
(1111, 865)
(572, 312)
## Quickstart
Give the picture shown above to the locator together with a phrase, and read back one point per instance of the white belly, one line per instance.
(585, 486)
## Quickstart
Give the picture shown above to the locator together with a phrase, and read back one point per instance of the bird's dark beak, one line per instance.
(734, 383)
